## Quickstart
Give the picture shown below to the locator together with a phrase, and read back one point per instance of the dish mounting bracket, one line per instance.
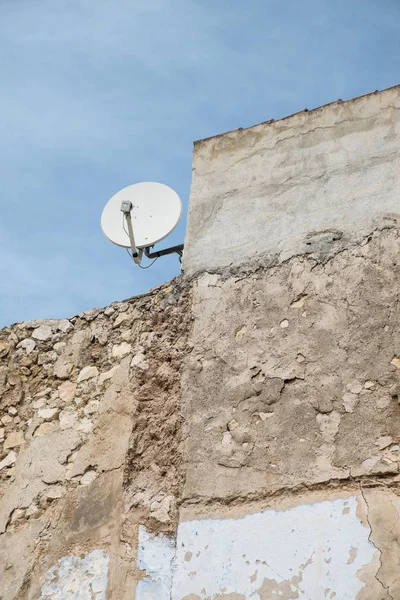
(137, 253)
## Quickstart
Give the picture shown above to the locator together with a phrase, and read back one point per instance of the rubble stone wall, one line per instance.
(235, 433)
(91, 444)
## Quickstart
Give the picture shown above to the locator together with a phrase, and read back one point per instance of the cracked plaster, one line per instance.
(222, 400)
(333, 168)
(340, 341)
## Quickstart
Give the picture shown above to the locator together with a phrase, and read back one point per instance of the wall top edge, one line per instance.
(337, 102)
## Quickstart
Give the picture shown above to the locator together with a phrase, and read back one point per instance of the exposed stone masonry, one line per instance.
(87, 399)
(290, 386)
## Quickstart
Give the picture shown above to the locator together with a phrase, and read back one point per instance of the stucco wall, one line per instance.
(233, 434)
(284, 187)
(316, 550)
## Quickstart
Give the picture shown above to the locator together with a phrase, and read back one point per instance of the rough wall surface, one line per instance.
(91, 444)
(281, 188)
(291, 393)
(299, 357)
(234, 434)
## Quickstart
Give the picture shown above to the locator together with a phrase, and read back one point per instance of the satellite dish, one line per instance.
(140, 215)
(156, 210)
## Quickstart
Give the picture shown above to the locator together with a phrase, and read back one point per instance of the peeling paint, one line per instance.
(294, 554)
(155, 556)
(77, 578)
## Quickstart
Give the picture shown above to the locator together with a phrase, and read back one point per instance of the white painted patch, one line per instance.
(155, 556)
(317, 549)
(77, 578)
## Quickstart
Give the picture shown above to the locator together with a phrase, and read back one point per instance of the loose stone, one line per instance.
(87, 373)
(42, 333)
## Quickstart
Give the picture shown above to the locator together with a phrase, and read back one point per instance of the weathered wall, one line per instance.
(91, 444)
(297, 379)
(291, 403)
(234, 434)
(284, 187)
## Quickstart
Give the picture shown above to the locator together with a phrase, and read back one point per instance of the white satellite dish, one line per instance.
(140, 215)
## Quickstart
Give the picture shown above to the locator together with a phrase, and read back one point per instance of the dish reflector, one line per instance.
(156, 210)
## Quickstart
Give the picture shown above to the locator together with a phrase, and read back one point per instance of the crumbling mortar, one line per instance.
(169, 321)
(154, 447)
(257, 266)
(347, 484)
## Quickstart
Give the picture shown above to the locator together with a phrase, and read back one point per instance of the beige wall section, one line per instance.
(286, 187)
(292, 390)
(90, 445)
(294, 376)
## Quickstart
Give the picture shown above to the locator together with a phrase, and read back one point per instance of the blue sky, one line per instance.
(99, 94)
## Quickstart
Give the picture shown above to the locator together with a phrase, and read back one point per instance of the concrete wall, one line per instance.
(290, 186)
(235, 433)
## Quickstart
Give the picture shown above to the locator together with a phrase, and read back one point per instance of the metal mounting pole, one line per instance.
(137, 253)
(137, 256)
(126, 207)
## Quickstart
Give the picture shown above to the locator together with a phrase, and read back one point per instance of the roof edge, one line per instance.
(305, 110)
